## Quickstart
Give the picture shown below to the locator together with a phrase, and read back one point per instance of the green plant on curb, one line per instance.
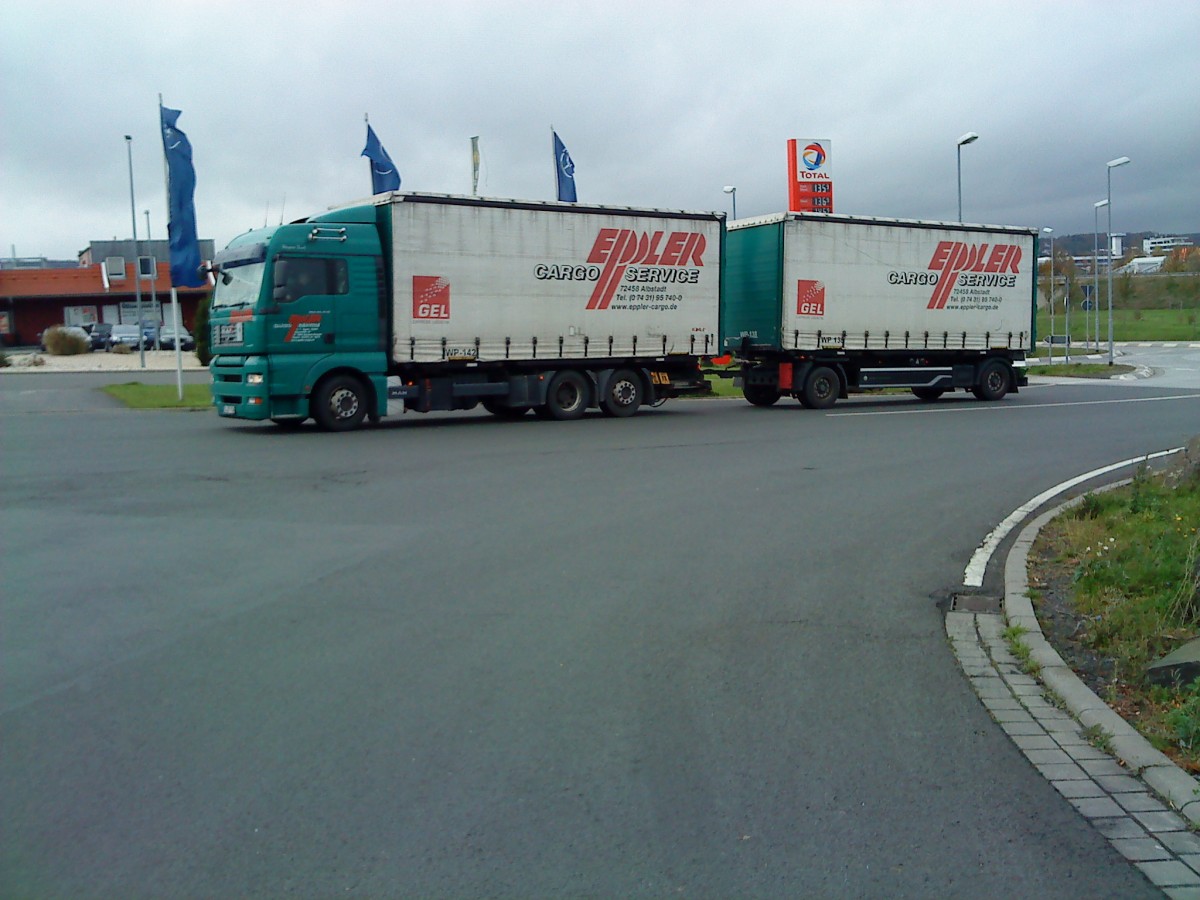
(1014, 635)
(1098, 738)
(4, 360)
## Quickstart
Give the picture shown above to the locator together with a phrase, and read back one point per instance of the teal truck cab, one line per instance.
(298, 322)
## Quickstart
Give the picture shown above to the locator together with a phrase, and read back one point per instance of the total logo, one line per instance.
(431, 297)
(813, 156)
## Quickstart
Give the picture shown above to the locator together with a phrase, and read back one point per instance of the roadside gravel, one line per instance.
(99, 361)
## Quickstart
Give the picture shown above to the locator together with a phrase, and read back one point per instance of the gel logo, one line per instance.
(431, 297)
(813, 156)
(810, 298)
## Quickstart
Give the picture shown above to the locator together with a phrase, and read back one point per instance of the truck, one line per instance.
(818, 305)
(444, 302)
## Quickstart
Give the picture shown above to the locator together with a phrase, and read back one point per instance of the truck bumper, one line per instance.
(239, 387)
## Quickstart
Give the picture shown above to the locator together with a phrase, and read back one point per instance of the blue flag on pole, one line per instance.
(384, 176)
(564, 170)
(181, 208)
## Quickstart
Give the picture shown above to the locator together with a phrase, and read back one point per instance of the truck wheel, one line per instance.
(567, 396)
(821, 388)
(993, 381)
(623, 396)
(503, 410)
(928, 393)
(761, 394)
(339, 403)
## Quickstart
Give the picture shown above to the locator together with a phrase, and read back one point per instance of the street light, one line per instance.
(1112, 164)
(969, 138)
(1096, 263)
(1050, 295)
(732, 191)
(137, 280)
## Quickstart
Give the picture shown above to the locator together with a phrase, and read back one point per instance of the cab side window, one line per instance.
(296, 278)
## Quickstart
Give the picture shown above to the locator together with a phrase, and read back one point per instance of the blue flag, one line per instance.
(384, 176)
(181, 207)
(564, 171)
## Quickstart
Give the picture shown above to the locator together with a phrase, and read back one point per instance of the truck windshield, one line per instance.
(238, 285)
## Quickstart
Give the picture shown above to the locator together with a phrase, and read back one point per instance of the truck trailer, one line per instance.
(446, 303)
(819, 305)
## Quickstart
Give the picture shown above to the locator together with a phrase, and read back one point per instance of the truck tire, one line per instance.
(993, 381)
(821, 388)
(623, 395)
(928, 393)
(567, 396)
(761, 394)
(339, 403)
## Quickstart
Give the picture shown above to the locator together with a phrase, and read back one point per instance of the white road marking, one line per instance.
(1001, 406)
(973, 577)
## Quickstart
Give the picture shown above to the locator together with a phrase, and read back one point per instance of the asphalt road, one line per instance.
(694, 653)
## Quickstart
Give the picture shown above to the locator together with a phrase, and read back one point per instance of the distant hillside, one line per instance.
(1081, 244)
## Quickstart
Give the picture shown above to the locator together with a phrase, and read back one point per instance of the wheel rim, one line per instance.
(623, 392)
(343, 403)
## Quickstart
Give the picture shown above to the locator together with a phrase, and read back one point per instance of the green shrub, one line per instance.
(201, 331)
(121, 348)
(4, 363)
(62, 343)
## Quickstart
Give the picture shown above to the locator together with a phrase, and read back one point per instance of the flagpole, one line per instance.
(370, 171)
(178, 322)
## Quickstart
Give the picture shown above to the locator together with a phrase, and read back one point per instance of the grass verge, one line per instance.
(136, 395)
(1129, 563)
(1079, 370)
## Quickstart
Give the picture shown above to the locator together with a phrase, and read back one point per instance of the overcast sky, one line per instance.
(660, 103)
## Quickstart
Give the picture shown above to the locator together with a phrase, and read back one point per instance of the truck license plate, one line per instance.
(228, 409)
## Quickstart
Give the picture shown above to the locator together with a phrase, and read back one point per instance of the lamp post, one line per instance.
(969, 138)
(137, 280)
(1112, 164)
(1096, 263)
(1050, 295)
(732, 191)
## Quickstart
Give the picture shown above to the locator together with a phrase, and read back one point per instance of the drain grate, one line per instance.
(974, 603)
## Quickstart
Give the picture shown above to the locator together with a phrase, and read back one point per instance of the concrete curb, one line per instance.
(1174, 785)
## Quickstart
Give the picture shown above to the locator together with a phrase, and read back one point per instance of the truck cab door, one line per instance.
(302, 317)
(325, 304)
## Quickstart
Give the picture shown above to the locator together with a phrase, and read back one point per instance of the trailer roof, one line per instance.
(876, 220)
(510, 203)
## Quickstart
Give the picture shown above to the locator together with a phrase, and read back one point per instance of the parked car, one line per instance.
(166, 338)
(150, 334)
(128, 335)
(99, 333)
(69, 329)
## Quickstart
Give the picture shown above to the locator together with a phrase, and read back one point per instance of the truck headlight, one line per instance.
(254, 378)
